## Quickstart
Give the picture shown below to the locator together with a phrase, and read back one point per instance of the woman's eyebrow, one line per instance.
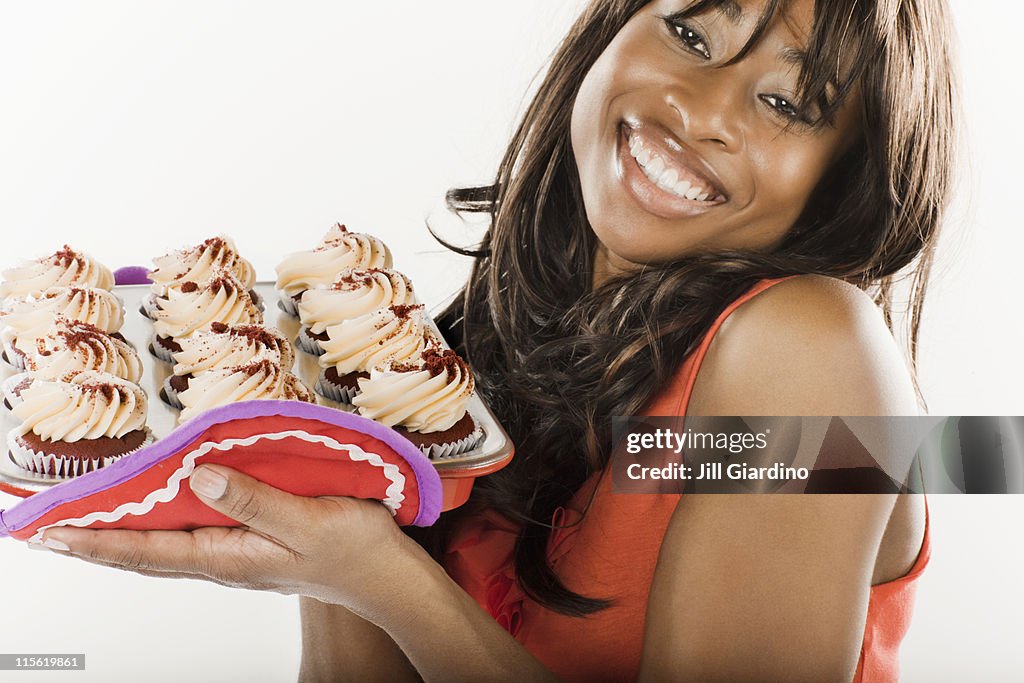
(732, 10)
(798, 58)
(794, 56)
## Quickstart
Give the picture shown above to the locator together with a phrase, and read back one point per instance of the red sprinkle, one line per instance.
(65, 257)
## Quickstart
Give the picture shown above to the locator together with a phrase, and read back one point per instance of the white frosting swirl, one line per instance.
(394, 334)
(27, 319)
(429, 396)
(65, 268)
(71, 346)
(339, 250)
(354, 293)
(200, 264)
(259, 380)
(190, 307)
(90, 405)
(225, 347)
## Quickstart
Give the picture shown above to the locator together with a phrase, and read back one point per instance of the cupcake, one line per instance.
(73, 427)
(26, 319)
(65, 268)
(354, 347)
(224, 346)
(197, 264)
(354, 293)
(190, 307)
(338, 250)
(255, 381)
(425, 401)
(71, 347)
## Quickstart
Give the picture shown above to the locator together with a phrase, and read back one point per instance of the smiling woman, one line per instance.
(692, 114)
(703, 212)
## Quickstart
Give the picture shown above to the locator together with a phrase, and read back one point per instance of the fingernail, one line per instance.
(48, 544)
(208, 483)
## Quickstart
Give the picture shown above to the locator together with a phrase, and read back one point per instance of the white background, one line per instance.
(130, 128)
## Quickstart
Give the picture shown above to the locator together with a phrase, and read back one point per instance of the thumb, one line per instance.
(261, 507)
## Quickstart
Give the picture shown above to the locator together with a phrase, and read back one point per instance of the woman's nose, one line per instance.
(710, 112)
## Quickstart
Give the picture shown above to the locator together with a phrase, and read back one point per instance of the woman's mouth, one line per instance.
(663, 176)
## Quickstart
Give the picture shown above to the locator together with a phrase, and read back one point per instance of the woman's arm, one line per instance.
(445, 633)
(776, 587)
(763, 587)
(339, 646)
(343, 552)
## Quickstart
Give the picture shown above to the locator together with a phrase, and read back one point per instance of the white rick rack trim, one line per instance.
(393, 500)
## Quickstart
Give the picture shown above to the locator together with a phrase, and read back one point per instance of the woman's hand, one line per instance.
(335, 549)
(344, 551)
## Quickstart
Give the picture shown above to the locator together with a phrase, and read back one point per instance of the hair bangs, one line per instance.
(833, 60)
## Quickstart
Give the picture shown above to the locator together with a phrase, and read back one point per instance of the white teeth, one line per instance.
(668, 179)
(659, 173)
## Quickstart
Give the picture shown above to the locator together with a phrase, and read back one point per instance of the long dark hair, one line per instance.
(556, 359)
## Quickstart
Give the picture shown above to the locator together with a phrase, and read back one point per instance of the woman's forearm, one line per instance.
(338, 645)
(447, 636)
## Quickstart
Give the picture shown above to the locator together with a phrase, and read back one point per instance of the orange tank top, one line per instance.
(608, 552)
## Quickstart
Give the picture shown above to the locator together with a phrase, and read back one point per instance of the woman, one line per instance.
(707, 186)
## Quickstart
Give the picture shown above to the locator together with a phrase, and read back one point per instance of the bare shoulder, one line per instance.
(810, 345)
(779, 576)
(746, 586)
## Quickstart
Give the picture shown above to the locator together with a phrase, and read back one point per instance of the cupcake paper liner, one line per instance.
(160, 351)
(7, 388)
(449, 450)
(61, 465)
(149, 306)
(288, 305)
(170, 395)
(333, 392)
(306, 343)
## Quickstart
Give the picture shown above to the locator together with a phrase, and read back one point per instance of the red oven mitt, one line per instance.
(304, 449)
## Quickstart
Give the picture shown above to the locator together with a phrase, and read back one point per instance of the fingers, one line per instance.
(229, 556)
(162, 551)
(272, 512)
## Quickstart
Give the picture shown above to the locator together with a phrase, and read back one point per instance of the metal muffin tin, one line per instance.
(493, 451)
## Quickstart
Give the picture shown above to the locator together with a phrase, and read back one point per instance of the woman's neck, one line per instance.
(608, 265)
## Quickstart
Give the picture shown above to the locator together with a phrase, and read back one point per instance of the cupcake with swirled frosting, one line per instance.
(191, 307)
(199, 264)
(259, 380)
(425, 401)
(224, 346)
(79, 425)
(354, 347)
(27, 319)
(338, 251)
(70, 347)
(354, 293)
(64, 268)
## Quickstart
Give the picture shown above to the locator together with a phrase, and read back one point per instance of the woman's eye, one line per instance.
(783, 107)
(688, 37)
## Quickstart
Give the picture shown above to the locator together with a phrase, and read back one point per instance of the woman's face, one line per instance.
(678, 154)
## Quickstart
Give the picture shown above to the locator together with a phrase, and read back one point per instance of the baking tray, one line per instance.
(457, 473)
